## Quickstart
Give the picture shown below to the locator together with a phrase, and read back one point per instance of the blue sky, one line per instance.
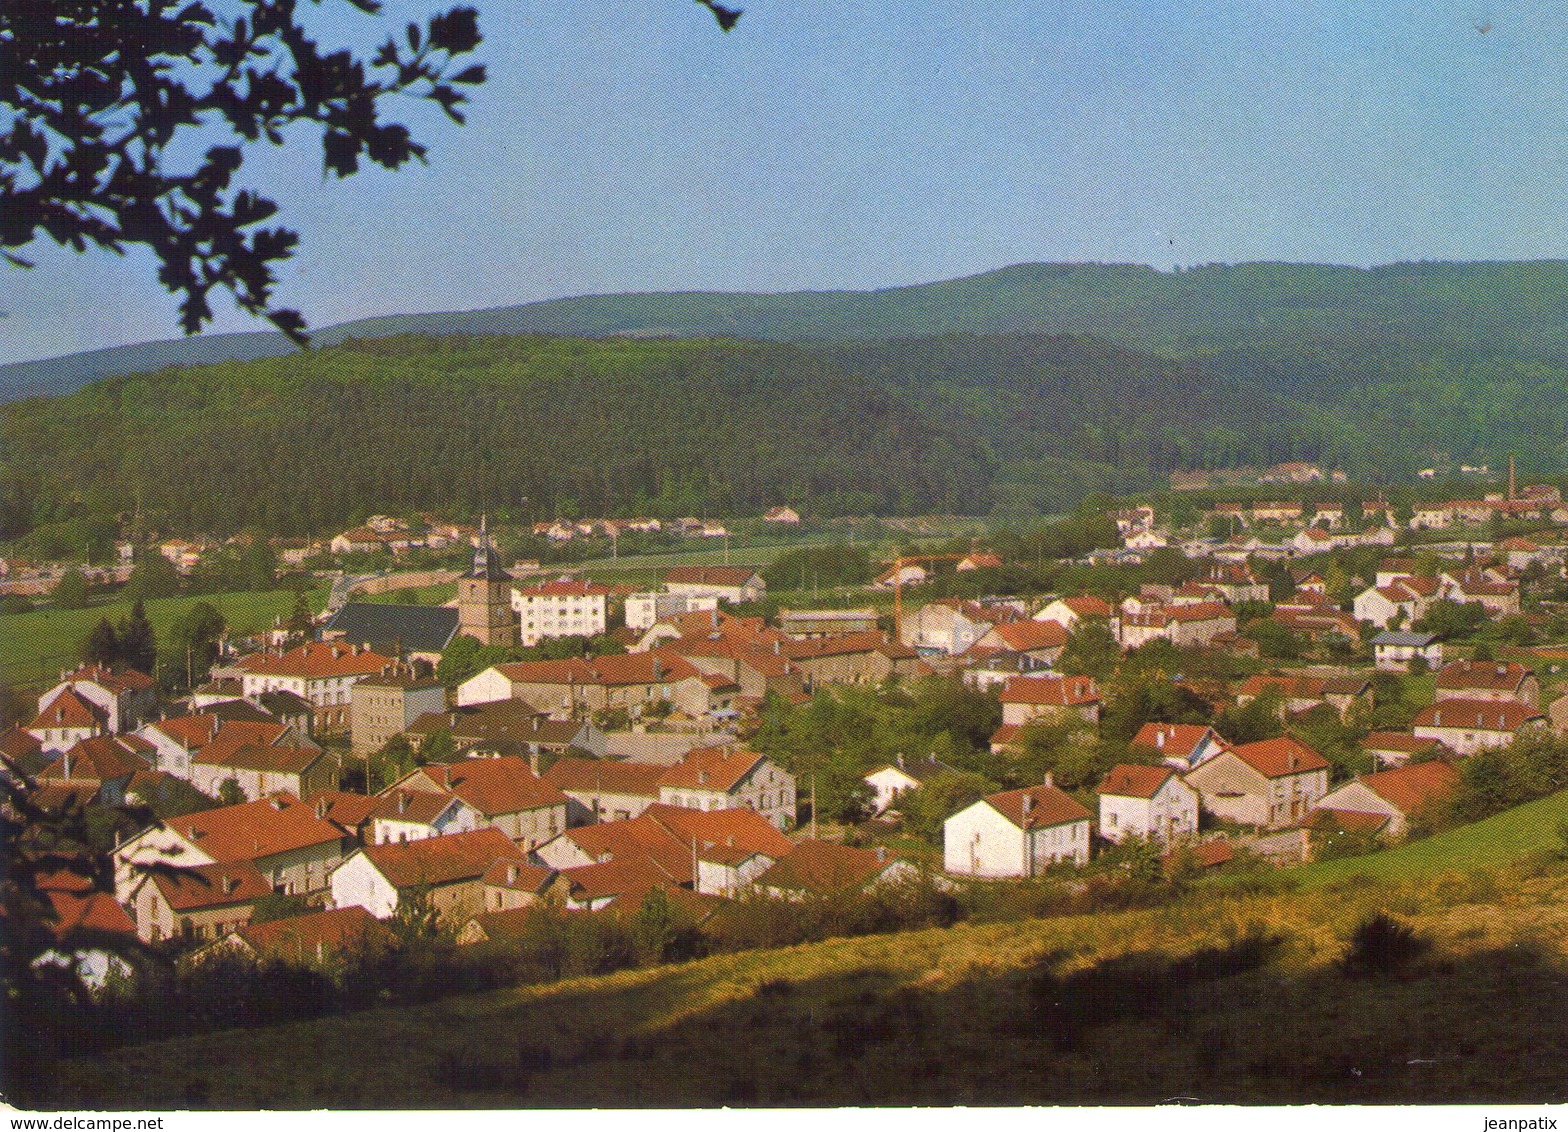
(629, 145)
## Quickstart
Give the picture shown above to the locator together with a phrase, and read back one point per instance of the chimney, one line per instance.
(67, 758)
(511, 874)
(901, 758)
(1159, 739)
(1050, 779)
(454, 719)
(230, 884)
(881, 854)
(402, 801)
(321, 807)
(277, 802)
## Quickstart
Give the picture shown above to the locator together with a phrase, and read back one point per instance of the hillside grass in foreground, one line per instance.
(35, 646)
(1222, 999)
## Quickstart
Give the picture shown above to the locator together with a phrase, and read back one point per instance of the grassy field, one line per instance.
(35, 646)
(1499, 839)
(1222, 999)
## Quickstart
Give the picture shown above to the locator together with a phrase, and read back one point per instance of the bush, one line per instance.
(1382, 946)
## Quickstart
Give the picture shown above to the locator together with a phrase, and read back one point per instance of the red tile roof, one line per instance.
(125, 680)
(823, 868)
(347, 811)
(1413, 786)
(711, 575)
(738, 828)
(103, 757)
(79, 907)
(1051, 691)
(711, 768)
(496, 786)
(1202, 611)
(211, 886)
(1402, 741)
(1274, 758)
(68, 709)
(1476, 715)
(1006, 735)
(414, 806)
(1326, 819)
(1180, 739)
(321, 659)
(605, 776)
(1024, 636)
(1491, 675)
(624, 879)
(443, 860)
(654, 667)
(575, 588)
(1127, 780)
(518, 876)
(1046, 806)
(253, 830)
(303, 939)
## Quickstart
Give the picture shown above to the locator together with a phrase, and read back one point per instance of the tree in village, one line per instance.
(194, 642)
(138, 642)
(102, 645)
(103, 105)
(71, 591)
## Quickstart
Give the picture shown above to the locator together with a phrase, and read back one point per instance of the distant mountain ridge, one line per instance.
(1503, 307)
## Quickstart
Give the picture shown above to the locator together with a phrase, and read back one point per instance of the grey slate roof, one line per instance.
(1404, 640)
(419, 628)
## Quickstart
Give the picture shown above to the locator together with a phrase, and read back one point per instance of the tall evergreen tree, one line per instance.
(138, 642)
(102, 645)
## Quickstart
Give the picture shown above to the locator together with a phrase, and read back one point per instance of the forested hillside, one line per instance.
(1492, 308)
(311, 441)
(956, 423)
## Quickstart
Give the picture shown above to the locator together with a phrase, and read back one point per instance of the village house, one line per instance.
(1068, 612)
(979, 560)
(781, 515)
(1270, 783)
(105, 763)
(383, 706)
(1402, 602)
(899, 777)
(503, 792)
(1042, 641)
(634, 682)
(1499, 598)
(1236, 582)
(730, 778)
(318, 940)
(1300, 692)
(729, 584)
(121, 700)
(195, 903)
(318, 671)
(1396, 651)
(510, 884)
(261, 759)
(67, 720)
(604, 790)
(280, 835)
(717, 852)
(1185, 626)
(507, 727)
(1502, 681)
(950, 626)
(1016, 833)
(1466, 726)
(1396, 795)
(860, 658)
(448, 872)
(1028, 698)
(821, 868)
(1396, 748)
(403, 814)
(1179, 745)
(1146, 801)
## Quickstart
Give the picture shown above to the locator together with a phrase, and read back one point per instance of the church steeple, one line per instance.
(484, 596)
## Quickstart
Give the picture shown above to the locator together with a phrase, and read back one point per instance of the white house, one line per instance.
(899, 777)
(1395, 651)
(1180, 745)
(1147, 801)
(1017, 833)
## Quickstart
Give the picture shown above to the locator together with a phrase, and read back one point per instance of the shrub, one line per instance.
(1382, 946)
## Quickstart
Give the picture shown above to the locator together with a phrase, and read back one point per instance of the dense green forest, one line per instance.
(312, 441)
(974, 424)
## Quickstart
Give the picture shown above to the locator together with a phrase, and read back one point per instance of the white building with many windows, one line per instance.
(561, 609)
